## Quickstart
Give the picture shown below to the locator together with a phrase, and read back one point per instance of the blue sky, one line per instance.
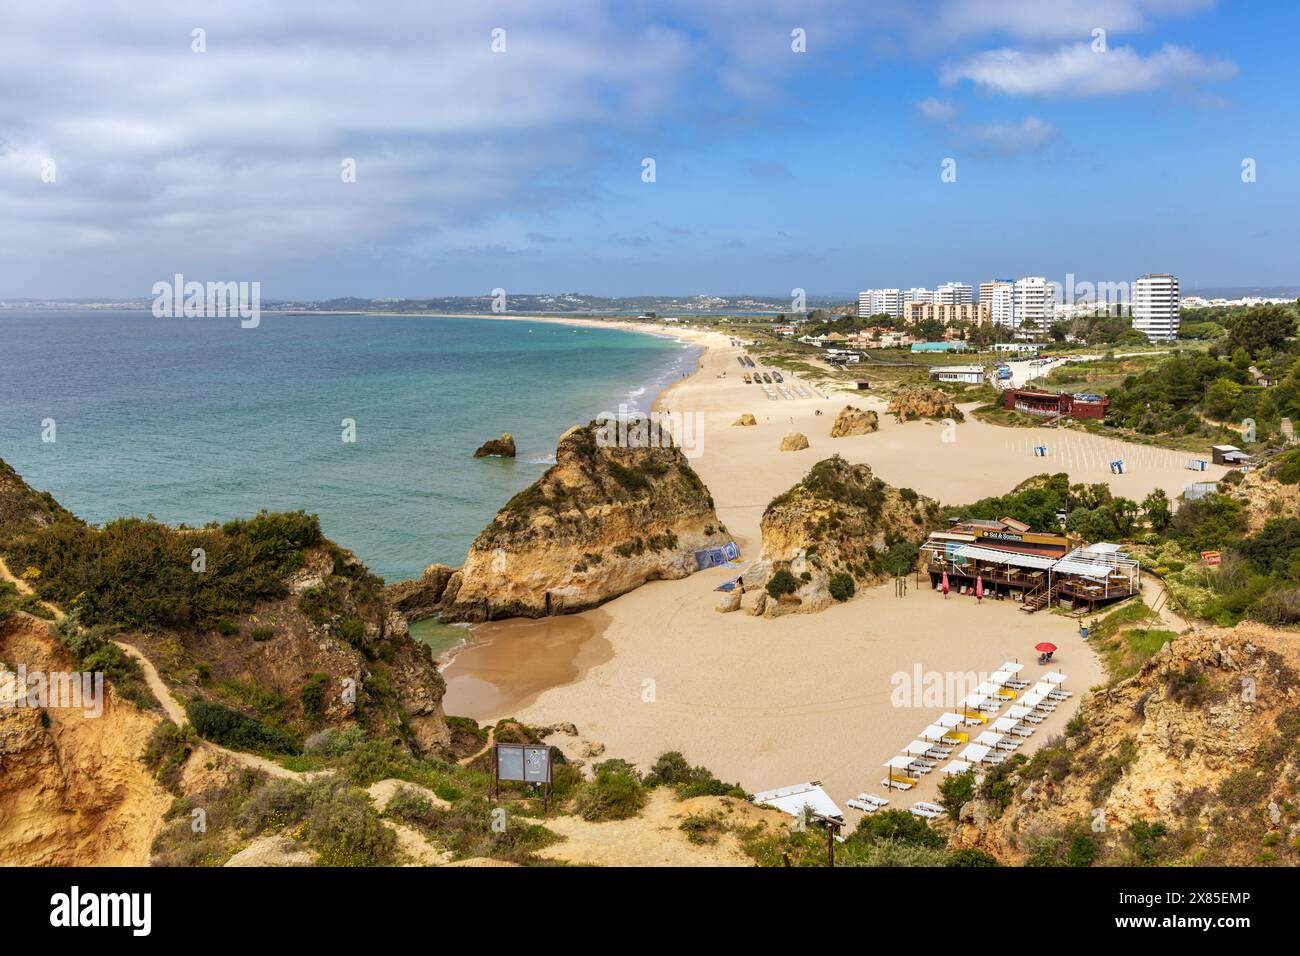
(522, 169)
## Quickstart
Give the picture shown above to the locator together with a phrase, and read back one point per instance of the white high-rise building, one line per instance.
(864, 304)
(1032, 304)
(953, 293)
(886, 301)
(1156, 306)
(999, 299)
(917, 295)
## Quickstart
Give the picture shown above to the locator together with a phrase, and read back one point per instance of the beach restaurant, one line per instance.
(1036, 401)
(1006, 559)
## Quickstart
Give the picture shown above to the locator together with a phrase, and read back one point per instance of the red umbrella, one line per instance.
(944, 585)
(979, 588)
(1045, 647)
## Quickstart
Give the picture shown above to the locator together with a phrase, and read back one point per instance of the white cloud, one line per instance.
(933, 108)
(1077, 71)
(1029, 135)
(1045, 20)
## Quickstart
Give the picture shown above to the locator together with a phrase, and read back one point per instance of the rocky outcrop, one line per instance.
(503, 447)
(418, 598)
(1201, 740)
(611, 514)
(274, 850)
(746, 419)
(854, 421)
(829, 535)
(795, 441)
(923, 402)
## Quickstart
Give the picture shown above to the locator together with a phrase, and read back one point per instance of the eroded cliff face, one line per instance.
(602, 521)
(73, 791)
(1194, 759)
(839, 520)
(920, 401)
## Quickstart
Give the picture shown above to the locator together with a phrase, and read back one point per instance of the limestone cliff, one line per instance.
(1193, 759)
(278, 623)
(832, 533)
(923, 402)
(604, 519)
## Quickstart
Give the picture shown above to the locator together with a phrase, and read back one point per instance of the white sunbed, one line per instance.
(930, 806)
(862, 805)
(1035, 718)
(874, 800)
(919, 811)
(1023, 731)
(1008, 744)
(897, 783)
(1060, 695)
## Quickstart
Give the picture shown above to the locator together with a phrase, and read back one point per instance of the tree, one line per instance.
(1156, 505)
(956, 791)
(1265, 326)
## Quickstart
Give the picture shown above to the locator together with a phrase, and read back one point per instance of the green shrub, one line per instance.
(615, 793)
(956, 791)
(841, 586)
(897, 826)
(781, 583)
(262, 633)
(226, 628)
(312, 696)
(971, 857)
(230, 728)
(166, 751)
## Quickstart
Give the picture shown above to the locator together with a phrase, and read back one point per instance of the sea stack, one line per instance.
(603, 520)
(503, 447)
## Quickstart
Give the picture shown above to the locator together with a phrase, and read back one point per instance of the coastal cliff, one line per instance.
(604, 519)
(1191, 760)
(840, 528)
(263, 621)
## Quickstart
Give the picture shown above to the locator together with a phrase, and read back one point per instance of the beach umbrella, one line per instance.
(979, 588)
(944, 584)
(1045, 647)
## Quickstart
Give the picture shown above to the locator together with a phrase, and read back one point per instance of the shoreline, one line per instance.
(806, 696)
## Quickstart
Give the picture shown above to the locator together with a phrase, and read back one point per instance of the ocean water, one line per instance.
(193, 420)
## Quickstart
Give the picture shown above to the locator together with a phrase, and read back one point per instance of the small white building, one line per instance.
(964, 374)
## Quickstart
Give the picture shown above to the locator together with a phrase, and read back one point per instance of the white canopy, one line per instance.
(957, 766)
(917, 748)
(934, 732)
(1032, 699)
(1054, 677)
(793, 799)
(988, 688)
(899, 763)
(989, 738)
(999, 677)
(974, 753)
(1042, 687)
(976, 553)
(971, 701)
(1018, 712)
(950, 719)
(1012, 667)
(1004, 724)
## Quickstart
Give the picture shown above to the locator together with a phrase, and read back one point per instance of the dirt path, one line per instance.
(466, 761)
(24, 588)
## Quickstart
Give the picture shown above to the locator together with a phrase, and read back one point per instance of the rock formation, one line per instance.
(795, 441)
(923, 402)
(418, 598)
(503, 447)
(1200, 741)
(829, 535)
(607, 517)
(746, 419)
(854, 421)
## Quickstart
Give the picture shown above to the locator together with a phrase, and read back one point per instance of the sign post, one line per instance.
(526, 763)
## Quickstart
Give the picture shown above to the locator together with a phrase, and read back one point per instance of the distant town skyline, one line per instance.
(645, 149)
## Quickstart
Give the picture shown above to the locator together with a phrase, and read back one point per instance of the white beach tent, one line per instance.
(974, 753)
(949, 719)
(1032, 699)
(918, 748)
(793, 799)
(988, 688)
(989, 738)
(1003, 725)
(973, 701)
(1018, 712)
(935, 732)
(1012, 667)
(1042, 687)
(955, 767)
(999, 678)
(1055, 677)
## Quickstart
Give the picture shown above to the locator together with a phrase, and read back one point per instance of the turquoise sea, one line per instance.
(193, 420)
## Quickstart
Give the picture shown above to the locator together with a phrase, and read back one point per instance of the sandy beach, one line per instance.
(807, 696)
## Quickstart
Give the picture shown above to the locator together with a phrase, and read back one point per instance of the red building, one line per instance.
(1036, 401)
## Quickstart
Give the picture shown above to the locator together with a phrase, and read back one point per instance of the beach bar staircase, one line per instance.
(1040, 597)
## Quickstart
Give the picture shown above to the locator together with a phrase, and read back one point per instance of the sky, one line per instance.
(795, 144)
